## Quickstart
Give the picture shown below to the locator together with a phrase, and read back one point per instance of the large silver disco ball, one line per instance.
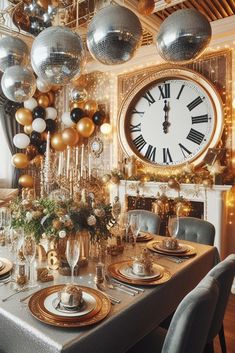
(113, 35)
(13, 51)
(183, 36)
(57, 55)
(18, 84)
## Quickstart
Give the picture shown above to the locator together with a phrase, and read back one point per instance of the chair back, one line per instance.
(150, 222)
(197, 230)
(224, 273)
(190, 325)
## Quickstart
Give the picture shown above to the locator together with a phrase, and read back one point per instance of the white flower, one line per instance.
(91, 220)
(29, 216)
(62, 234)
(99, 212)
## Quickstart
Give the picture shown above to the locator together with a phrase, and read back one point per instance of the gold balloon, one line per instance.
(145, 7)
(77, 105)
(85, 127)
(26, 181)
(90, 107)
(51, 96)
(28, 129)
(55, 88)
(44, 135)
(43, 100)
(31, 151)
(57, 142)
(37, 161)
(20, 160)
(24, 116)
(70, 136)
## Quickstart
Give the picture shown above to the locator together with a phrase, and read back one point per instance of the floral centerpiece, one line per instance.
(54, 219)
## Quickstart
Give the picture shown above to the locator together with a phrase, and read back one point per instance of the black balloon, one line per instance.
(98, 118)
(39, 112)
(51, 125)
(42, 147)
(35, 138)
(76, 114)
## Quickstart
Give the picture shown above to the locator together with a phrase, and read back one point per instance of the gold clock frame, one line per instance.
(163, 73)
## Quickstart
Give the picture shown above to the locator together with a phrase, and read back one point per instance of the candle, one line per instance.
(76, 157)
(89, 165)
(82, 160)
(60, 163)
(68, 160)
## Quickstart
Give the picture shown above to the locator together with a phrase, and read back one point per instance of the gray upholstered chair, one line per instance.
(224, 273)
(197, 230)
(189, 327)
(150, 222)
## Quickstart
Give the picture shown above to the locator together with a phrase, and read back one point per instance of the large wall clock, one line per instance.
(170, 118)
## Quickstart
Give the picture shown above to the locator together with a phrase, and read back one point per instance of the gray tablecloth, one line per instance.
(127, 322)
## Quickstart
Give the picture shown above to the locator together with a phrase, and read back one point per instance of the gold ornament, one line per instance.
(145, 7)
(31, 151)
(77, 105)
(216, 168)
(43, 100)
(26, 181)
(173, 184)
(37, 161)
(20, 160)
(57, 142)
(24, 116)
(70, 136)
(28, 129)
(85, 127)
(90, 107)
(44, 135)
(182, 208)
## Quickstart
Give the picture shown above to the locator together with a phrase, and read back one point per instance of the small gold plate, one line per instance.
(38, 310)
(144, 236)
(154, 246)
(7, 266)
(113, 270)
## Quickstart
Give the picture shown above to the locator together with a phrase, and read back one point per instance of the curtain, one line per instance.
(10, 128)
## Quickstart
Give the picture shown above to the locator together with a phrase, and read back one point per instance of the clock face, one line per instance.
(170, 121)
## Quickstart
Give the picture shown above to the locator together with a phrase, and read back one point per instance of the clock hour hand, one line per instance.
(166, 123)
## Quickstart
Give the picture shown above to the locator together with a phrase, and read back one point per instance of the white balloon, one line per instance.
(30, 104)
(39, 125)
(21, 140)
(51, 113)
(66, 120)
(43, 86)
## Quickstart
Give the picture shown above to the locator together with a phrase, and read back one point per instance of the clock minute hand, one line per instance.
(166, 123)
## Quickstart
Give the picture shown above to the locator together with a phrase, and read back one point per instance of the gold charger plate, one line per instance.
(7, 268)
(38, 310)
(153, 245)
(113, 270)
(144, 237)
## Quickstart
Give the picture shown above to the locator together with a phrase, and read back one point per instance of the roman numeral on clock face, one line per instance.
(151, 153)
(134, 111)
(135, 128)
(167, 156)
(194, 103)
(164, 91)
(195, 136)
(200, 119)
(139, 142)
(180, 92)
(184, 150)
(149, 97)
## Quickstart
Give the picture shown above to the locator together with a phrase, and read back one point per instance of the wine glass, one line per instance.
(72, 254)
(125, 222)
(173, 225)
(135, 226)
(5, 221)
(29, 252)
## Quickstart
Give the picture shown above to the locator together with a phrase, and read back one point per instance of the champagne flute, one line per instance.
(125, 222)
(72, 254)
(5, 222)
(173, 225)
(135, 226)
(29, 252)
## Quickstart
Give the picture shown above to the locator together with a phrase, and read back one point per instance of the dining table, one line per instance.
(127, 322)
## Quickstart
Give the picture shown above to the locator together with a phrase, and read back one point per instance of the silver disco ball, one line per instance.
(18, 84)
(183, 36)
(13, 51)
(78, 94)
(57, 55)
(113, 35)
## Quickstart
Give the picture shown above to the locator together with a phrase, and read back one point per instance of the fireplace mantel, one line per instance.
(212, 198)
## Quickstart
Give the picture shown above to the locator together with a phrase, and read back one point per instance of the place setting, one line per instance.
(5, 269)
(141, 270)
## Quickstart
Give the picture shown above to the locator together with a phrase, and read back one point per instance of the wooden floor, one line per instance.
(229, 327)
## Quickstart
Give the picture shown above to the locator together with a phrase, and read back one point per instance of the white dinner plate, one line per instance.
(88, 306)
